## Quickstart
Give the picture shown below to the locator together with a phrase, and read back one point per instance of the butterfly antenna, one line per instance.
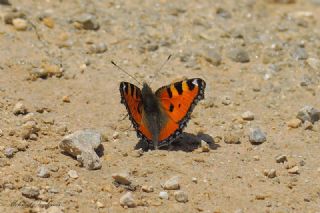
(114, 64)
(162, 65)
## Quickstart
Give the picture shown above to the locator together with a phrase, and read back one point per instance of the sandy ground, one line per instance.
(257, 56)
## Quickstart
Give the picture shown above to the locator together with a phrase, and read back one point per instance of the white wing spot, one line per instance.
(124, 86)
(195, 82)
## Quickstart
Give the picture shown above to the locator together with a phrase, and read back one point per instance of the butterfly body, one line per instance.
(160, 117)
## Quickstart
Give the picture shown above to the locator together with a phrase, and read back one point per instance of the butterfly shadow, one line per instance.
(187, 142)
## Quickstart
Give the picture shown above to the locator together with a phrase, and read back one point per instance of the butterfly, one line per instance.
(160, 117)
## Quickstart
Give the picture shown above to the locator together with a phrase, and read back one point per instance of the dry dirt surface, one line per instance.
(252, 145)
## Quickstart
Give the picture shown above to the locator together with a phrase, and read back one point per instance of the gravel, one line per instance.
(43, 172)
(73, 174)
(172, 183)
(308, 113)
(164, 195)
(181, 196)
(122, 178)
(247, 116)
(238, 55)
(281, 158)
(20, 108)
(127, 200)
(82, 145)
(30, 192)
(9, 152)
(256, 136)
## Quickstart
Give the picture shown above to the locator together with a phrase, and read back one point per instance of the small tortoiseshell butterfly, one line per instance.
(160, 117)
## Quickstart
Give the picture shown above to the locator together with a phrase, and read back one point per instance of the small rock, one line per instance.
(307, 125)
(256, 158)
(48, 21)
(9, 152)
(238, 211)
(172, 183)
(73, 174)
(314, 63)
(281, 158)
(164, 195)
(239, 55)
(247, 116)
(270, 173)
(82, 145)
(283, 1)
(43, 172)
(66, 99)
(181, 196)
(127, 200)
(54, 209)
(147, 189)
(294, 170)
(98, 48)
(204, 146)
(29, 130)
(122, 178)
(308, 113)
(8, 18)
(20, 108)
(299, 54)
(231, 138)
(294, 123)
(226, 100)
(223, 13)
(194, 179)
(213, 57)
(1, 132)
(87, 22)
(256, 136)
(20, 24)
(100, 205)
(30, 191)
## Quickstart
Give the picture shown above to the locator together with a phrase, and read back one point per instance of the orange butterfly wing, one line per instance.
(131, 98)
(178, 101)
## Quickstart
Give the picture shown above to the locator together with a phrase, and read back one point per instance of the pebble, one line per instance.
(238, 55)
(29, 130)
(164, 195)
(194, 179)
(204, 146)
(1, 132)
(172, 183)
(100, 205)
(307, 125)
(43, 172)
(20, 24)
(256, 158)
(147, 189)
(66, 99)
(9, 152)
(30, 191)
(314, 63)
(181, 196)
(308, 113)
(270, 173)
(226, 100)
(256, 136)
(8, 18)
(281, 158)
(294, 123)
(231, 138)
(238, 211)
(73, 174)
(54, 209)
(247, 116)
(127, 200)
(122, 178)
(82, 145)
(294, 170)
(299, 53)
(213, 57)
(221, 12)
(283, 1)
(137, 153)
(87, 21)
(98, 48)
(48, 21)
(20, 108)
